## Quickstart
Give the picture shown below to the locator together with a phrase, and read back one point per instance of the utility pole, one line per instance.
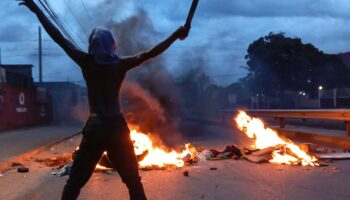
(0, 57)
(40, 57)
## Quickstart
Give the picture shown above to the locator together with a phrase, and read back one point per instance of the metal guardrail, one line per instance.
(329, 114)
(332, 114)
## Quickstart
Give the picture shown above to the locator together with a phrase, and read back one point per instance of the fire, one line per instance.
(156, 156)
(100, 167)
(265, 137)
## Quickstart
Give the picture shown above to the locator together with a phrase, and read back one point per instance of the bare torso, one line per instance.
(103, 84)
(103, 81)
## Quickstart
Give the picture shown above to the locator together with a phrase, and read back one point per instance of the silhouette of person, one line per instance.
(106, 128)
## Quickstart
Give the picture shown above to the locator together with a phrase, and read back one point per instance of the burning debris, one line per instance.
(268, 147)
(231, 151)
(158, 157)
(150, 156)
(272, 147)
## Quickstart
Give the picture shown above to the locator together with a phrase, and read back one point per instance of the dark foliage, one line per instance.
(277, 63)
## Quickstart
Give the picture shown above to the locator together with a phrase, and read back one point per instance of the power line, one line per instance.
(75, 17)
(13, 42)
(51, 12)
(17, 55)
(61, 24)
(87, 13)
(68, 27)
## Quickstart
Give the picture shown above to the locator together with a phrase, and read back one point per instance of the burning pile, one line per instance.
(156, 157)
(284, 151)
(150, 156)
(268, 147)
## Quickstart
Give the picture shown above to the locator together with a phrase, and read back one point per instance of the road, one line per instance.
(16, 142)
(233, 179)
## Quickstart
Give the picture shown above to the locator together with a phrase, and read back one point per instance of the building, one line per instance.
(69, 101)
(22, 104)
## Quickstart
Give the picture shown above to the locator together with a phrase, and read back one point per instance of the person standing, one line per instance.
(106, 129)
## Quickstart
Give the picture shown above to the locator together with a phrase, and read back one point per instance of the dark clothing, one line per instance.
(106, 132)
(109, 134)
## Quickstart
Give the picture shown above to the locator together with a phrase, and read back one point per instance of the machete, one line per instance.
(191, 13)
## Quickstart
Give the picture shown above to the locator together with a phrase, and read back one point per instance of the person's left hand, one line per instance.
(182, 32)
(29, 3)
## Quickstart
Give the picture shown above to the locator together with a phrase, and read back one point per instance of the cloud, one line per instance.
(222, 29)
(272, 8)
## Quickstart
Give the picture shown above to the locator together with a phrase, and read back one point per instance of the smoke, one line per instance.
(150, 95)
(80, 113)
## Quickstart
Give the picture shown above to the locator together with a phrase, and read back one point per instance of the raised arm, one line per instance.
(72, 51)
(142, 57)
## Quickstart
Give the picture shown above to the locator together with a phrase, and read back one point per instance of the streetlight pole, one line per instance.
(40, 57)
(320, 89)
(335, 97)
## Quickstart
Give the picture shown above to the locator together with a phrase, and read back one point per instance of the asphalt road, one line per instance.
(16, 142)
(233, 179)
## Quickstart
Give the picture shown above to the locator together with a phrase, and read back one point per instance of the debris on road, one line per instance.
(268, 150)
(62, 170)
(205, 155)
(258, 159)
(22, 170)
(231, 151)
(260, 155)
(213, 168)
(17, 164)
(55, 161)
(186, 173)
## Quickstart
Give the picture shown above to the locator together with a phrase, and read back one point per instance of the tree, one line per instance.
(192, 84)
(277, 63)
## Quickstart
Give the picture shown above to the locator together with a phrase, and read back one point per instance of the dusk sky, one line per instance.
(221, 31)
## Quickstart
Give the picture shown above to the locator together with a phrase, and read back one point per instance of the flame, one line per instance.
(156, 156)
(100, 167)
(265, 137)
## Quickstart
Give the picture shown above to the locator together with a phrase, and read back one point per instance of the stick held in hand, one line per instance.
(191, 13)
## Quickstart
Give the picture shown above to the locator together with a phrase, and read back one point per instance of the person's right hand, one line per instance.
(182, 32)
(29, 3)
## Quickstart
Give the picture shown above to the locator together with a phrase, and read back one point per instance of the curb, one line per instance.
(34, 152)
